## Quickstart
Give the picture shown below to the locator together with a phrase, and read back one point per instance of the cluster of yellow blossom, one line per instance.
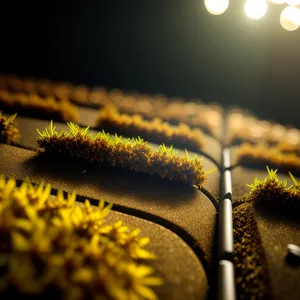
(52, 247)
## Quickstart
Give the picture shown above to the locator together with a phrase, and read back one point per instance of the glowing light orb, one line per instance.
(277, 1)
(216, 7)
(290, 18)
(293, 2)
(256, 9)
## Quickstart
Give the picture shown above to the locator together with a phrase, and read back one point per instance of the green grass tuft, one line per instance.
(275, 192)
(9, 133)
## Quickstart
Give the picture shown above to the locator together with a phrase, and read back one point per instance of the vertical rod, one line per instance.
(225, 230)
(225, 211)
(226, 277)
(226, 282)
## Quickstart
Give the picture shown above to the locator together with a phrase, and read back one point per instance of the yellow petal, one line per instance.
(101, 204)
(10, 185)
(106, 210)
(20, 243)
(145, 292)
(142, 271)
(83, 275)
(71, 198)
(153, 281)
(144, 241)
(40, 188)
(60, 196)
(23, 224)
(145, 254)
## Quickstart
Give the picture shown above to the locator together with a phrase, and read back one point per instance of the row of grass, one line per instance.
(243, 127)
(154, 130)
(261, 155)
(172, 110)
(133, 154)
(37, 106)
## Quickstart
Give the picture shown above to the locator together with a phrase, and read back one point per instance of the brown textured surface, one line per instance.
(29, 135)
(276, 233)
(87, 116)
(252, 278)
(176, 263)
(182, 208)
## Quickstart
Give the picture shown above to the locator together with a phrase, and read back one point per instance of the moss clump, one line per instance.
(244, 127)
(37, 106)
(275, 193)
(133, 154)
(80, 94)
(251, 270)
(154, 130)
(42, 87)
(174, 110)
(262, 155)
(53, 248)
(193, 114)
(288, 148)
(9, 133)
(250, 263)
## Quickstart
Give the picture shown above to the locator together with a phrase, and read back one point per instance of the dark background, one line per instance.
(173, 47)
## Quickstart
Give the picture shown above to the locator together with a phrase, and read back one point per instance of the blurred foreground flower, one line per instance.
(53, 247)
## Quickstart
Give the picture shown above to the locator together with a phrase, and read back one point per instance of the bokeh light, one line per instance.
(290, 18)
(216, 7)
(277, 1)
(293, 2)
(256, 9)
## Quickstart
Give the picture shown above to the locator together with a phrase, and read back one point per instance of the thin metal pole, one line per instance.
(226, 281)
(226, 277)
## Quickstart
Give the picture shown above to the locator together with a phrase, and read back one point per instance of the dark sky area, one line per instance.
(173, 47)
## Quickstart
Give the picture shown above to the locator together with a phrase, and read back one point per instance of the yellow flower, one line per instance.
(45, 239)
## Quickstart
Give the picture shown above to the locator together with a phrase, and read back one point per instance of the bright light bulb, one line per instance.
(292, 2)
(216, 7)
(277, 1)
(256, 9)
(290, 18)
